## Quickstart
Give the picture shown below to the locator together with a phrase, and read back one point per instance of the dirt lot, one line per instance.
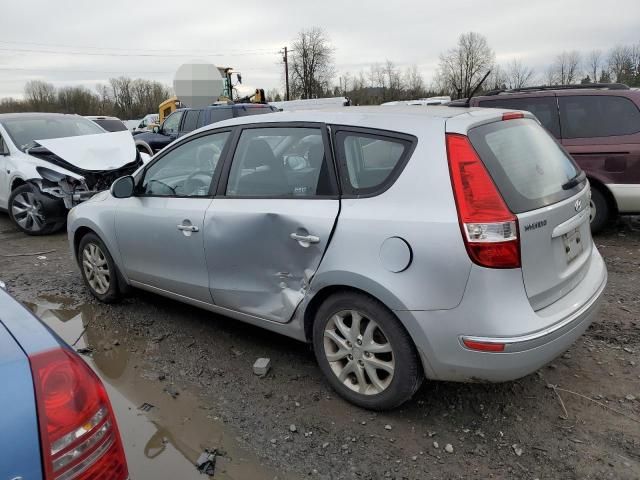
(181, 380)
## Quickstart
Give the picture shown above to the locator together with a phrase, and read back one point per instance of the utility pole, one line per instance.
(285, 59)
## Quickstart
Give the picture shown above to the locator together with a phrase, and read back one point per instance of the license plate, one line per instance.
(572, 244)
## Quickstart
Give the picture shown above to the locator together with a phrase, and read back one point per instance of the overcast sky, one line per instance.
(248, 34)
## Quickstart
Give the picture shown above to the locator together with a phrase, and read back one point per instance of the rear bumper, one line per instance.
(542, 335)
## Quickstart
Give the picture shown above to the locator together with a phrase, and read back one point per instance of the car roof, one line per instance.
(8, 116)
(401, 118)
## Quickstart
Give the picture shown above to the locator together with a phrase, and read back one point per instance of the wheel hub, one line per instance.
(358, 352)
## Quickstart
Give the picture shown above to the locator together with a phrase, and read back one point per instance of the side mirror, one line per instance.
(123, 187)
(156, 129)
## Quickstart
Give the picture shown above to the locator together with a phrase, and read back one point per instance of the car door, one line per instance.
(270, 222)
(160, 229)
(602, 133)
(169, 130)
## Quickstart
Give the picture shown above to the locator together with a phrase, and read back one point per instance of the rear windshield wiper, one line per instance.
(577, 180)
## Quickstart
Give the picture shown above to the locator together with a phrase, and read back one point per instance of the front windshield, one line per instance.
(24, 131)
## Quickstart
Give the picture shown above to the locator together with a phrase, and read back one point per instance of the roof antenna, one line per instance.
(466, 104)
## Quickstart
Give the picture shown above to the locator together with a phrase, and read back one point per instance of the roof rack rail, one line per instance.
(608, 86)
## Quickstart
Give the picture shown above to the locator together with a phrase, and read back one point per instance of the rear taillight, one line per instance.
(489, 229)
(78, 432)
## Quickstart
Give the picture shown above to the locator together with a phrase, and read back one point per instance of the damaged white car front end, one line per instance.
(79, 167)
(42, 178)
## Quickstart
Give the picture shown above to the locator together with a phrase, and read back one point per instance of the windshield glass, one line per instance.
(24, 131)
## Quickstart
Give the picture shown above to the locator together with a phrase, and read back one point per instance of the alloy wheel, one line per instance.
(27, 212)
(96, 268)
(358, 352)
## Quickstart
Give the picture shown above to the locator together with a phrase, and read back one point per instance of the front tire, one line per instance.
(98, 269)
(600, 210)
(34, 213)
(364, 352)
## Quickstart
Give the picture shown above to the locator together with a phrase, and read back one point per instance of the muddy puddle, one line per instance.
(163, 435)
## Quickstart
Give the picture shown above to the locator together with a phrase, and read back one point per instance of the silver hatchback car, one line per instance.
(402, 242)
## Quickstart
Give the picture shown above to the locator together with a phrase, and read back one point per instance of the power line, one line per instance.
(181, 51)
(100, 54)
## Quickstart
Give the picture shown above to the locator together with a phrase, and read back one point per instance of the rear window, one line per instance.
(544, 108)
(370, 162)
(111, 125)
(526, 163)
(598, 116)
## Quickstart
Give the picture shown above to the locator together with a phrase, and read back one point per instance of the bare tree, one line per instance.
(413, 82)
(78, 100)
(621, 63)
(518, 75)
(462, 67)
(566, 67)
(312, 67)
(40, 95)
(497, 79)
(594, 64)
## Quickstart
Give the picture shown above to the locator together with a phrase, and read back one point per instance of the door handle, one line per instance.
(188, 228)
(305, 240)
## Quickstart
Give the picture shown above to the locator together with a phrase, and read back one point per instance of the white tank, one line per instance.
(198, 84)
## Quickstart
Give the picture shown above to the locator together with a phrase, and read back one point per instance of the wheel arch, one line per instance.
(324, 288)
(141, 143)
(16, 182)
(602, 187)
(80, 232)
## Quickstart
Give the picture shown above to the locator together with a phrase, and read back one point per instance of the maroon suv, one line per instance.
(599, 125)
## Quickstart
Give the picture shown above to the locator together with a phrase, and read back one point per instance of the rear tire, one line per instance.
(600, 210)
(34, 213)
(99, 271)
(374, 365)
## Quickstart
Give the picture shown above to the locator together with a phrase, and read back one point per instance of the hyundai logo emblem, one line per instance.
(578, 205)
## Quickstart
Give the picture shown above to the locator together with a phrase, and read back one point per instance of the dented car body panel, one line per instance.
(255, 266)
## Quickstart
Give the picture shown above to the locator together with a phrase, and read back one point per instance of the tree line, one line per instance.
(122, 97)
(313, 74)
(460, 69)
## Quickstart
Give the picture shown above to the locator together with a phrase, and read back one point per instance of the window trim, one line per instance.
(216, 173)
(221, 191)
(348, 190)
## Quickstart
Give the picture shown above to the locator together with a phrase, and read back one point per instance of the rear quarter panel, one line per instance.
(419, 208)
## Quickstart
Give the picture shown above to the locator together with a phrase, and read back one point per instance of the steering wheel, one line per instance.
(191, 183)
(173, 190)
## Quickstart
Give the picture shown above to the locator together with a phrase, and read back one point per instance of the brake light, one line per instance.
(489, 229)
(512, 115)
(78, 432)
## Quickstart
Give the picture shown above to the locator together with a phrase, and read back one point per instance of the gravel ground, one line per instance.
(579, 417)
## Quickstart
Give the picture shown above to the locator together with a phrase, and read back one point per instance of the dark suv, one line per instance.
(599, 125)
(186, 120)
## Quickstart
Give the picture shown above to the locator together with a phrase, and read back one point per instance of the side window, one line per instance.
(544, 108)
(172, 123)
(219, 114)
(187, 170)
(598, 116)
(370, 160)
(277, 162)
(190, 120)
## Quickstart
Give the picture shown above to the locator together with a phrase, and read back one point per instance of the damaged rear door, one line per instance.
(271, 220)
